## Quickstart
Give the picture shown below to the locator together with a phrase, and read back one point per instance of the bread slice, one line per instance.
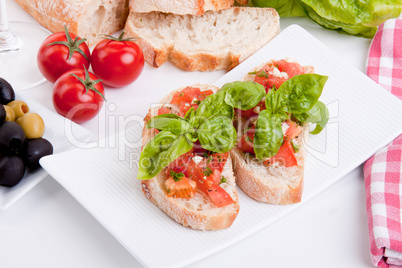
(274, 184)
(85, 18)
(198, 212)
(180, 7)
(213, 41)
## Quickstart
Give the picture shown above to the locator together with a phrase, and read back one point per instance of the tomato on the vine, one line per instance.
(117, 61)
(61, 52)
(78, 95)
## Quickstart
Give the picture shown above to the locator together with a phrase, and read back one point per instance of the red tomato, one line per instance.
(117, 61)
(246, 143)
(54, 59)
(164, 110)
(180, 188)
(220, 197)
(293, 131)
(186, 95)
(268, 80)
(76, 100)
(286, 155)
(291, 68)
(183, 164)
(210, 186)
(250, 113)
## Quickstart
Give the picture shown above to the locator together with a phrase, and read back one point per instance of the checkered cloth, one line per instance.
(383, 171)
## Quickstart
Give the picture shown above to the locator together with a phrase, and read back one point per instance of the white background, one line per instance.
(49, 228)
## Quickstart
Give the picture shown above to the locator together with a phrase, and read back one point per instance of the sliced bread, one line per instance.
(85, 18)
(213, 41)
(180, 7)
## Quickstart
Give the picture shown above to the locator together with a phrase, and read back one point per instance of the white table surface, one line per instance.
(49, 228)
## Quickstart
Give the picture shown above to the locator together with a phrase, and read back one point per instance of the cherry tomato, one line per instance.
(61, 52)
(78, 95)
(117, 61)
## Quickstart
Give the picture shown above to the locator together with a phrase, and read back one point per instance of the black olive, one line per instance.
(12, 170)
(6, 92)
(3, 113)
(34, 150)
(12, 136)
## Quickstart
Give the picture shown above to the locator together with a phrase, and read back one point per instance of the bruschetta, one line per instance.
(185, 168)
(271, 122)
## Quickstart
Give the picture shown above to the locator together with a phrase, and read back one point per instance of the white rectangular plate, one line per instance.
(364, 117)
(54, 132)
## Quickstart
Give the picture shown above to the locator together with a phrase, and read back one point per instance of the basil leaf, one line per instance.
(217, 135)
(174, 124)
(160, 152)
(268, 136)
(243, 95)
(300, 93)
(275, 102)
(318, 115)
(212, 106)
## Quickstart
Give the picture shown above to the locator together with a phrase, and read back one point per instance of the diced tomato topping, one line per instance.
(164, 110)
(246, 143)
(206, 175)
(291, 68)
(215, 161)
(205, 94)
(266, 78)
(181, 188)
(186, 95)
(189, 97)
(293, 131)
(252, 112)
(286, 155)
(184, 164)
(210, 186)
(220, 197)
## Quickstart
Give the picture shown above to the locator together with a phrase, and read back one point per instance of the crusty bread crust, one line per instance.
(273, 184)
(213, 41)
(180, 7)
(85, 18)
(185, 211)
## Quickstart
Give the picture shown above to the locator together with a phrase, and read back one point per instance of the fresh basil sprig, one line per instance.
(297, 97)
(243, 95)
(268, 137)
(160, 152)
(171, 122)
(213, 106)
(211, 124)
(317, 115)
(217, 134)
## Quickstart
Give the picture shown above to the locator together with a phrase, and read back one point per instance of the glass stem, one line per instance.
(8, 41)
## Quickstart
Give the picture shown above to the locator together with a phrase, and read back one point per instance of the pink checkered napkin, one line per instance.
(383, 171)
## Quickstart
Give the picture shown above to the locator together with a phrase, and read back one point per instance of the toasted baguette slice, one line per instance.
(198, 212)
(213, 41)
(274, 184)
(85, 18)
(180, 7)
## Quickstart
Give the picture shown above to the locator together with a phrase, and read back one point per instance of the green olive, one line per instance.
(32, 124)
(10, 115)
(20, 108)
